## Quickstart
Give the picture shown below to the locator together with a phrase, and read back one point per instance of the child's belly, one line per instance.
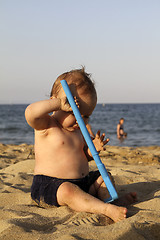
(66, 165)
(61, 155)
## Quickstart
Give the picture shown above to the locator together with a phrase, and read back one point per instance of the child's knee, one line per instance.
(95, 186)
(111, 178)
(99, 188)
(65, 192)
(100, 182)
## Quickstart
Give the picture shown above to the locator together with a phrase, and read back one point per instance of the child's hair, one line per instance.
(79, 77)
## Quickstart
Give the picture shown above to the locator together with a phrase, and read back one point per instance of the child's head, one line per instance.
(84, 89)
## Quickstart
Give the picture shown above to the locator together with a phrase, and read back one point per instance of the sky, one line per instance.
(118, 41)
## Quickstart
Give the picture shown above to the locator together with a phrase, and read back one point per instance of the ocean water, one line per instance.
(142, 124)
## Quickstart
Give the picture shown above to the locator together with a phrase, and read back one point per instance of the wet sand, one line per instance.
(134, 169)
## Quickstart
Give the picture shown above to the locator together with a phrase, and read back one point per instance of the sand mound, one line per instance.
(134, 169)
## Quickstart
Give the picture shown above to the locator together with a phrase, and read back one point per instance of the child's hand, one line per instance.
(65, 106)
(99, 141)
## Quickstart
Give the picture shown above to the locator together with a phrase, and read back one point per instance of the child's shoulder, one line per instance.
(52, 127)
(45, 125)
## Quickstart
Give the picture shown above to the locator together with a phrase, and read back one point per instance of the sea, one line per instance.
(141, 122)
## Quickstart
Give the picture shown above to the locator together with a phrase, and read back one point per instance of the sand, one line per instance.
(134, 169)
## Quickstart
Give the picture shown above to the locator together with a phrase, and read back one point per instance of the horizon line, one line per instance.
(105, 103)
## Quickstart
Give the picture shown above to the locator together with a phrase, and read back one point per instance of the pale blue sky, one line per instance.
(118, 41)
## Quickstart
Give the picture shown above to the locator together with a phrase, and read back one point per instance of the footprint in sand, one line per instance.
(92, 220)
(87, 220)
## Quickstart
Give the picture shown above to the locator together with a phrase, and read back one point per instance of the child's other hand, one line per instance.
(76, 101)
(99, 141)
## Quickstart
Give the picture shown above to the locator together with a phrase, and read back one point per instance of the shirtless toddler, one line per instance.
(61, 174)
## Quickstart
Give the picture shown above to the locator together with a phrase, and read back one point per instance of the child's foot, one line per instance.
(126, 200)
(115, 213)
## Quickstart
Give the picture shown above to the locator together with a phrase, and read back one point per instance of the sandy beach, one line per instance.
(134, 169)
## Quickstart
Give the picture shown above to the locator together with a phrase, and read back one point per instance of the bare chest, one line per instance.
(62, 138)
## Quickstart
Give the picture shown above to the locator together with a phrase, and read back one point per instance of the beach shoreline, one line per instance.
(133, 168)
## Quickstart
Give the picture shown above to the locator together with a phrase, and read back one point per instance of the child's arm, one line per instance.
(37, 114)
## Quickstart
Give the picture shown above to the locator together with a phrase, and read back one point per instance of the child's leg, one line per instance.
(72, 196)
(99, 189)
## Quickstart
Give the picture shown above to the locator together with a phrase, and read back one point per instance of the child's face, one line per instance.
(87, 103)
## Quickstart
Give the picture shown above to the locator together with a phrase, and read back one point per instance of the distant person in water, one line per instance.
(120, 130)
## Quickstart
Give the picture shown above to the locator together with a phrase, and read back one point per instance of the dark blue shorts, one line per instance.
(44, 188)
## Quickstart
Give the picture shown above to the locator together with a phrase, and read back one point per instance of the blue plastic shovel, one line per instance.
(100, 165)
